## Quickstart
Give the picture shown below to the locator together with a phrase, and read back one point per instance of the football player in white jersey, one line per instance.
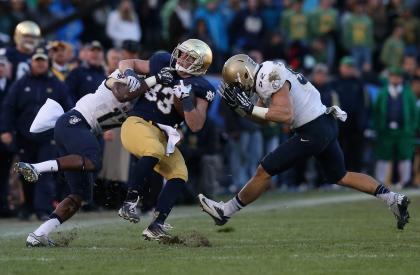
(80, 153)
(286, 96)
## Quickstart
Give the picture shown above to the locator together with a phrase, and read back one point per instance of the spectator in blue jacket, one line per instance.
(86, 78)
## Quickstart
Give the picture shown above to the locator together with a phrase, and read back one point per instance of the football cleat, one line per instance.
(214, 209)
(155, 231)
(400, 209)
(129, 211)
(38, 241)
(29, 173)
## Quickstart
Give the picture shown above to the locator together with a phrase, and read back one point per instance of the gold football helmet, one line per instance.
(240, 70)
(192, 56)
(27, 35)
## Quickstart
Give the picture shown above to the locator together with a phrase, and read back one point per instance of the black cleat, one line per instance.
(129, 211)
(400, 209)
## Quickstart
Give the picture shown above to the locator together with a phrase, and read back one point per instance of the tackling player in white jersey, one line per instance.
(286, 96)
(80, 153)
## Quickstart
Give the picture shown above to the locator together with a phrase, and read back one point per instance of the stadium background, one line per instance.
(348, 49)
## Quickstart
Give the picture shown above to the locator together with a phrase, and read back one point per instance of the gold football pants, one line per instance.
(142, 138)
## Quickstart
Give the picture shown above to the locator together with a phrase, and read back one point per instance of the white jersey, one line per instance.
(101, 109)
(305, 98)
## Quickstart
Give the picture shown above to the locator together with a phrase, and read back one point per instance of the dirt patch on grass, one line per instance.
(192, 239)
(225, 230)
(63, 239)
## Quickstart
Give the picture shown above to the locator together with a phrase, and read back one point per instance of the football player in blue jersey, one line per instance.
(158, 111)
(27, 37)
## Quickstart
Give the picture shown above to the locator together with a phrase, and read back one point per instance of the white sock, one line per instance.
(232, 206)
(388, 198)
(47, 227)
(46, 166)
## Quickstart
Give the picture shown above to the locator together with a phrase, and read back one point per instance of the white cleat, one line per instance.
(29, 173)
(214, 209)
(38, 241)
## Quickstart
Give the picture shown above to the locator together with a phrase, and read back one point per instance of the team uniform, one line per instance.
(157, 107)
(19, 61)
(76, 131)
(315, 131)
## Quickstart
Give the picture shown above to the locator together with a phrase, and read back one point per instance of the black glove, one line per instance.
(244, 102)
(133, 80)
(236, 99)
(165, 76)
(228, 94)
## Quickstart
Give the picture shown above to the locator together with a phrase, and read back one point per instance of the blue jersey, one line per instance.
(20, 62)
(157, 103)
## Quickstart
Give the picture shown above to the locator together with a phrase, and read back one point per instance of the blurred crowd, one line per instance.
(362, 55)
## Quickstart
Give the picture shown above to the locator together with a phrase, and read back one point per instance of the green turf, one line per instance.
(358, 237)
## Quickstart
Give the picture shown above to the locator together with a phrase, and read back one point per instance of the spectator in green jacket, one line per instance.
(294, 23)
(323, 24)
(411, 25)
(396, 120)
(358, 36)
(393, 50)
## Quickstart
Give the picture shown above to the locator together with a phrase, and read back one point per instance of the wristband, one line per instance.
(259, 112)
(150, 81)
(188, 104)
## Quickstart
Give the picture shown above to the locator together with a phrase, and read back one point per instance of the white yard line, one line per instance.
(84, 220)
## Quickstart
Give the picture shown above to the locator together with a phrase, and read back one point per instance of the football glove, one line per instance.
(244, 102)
(133, 81)
(236, 99)
(181, 91)
(165, 76)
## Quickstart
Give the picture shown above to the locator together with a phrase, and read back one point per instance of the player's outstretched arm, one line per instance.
(138, 65)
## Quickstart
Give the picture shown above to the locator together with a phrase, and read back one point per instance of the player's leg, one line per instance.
(80, 182)
(78, 138)
(174, 169)
(310, 139)
(281, 159)
(145, 141)
(332, 162)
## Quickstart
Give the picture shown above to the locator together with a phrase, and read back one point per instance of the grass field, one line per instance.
(309, 233)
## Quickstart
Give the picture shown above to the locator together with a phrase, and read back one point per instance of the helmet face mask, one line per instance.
(29, 42)
(193, 56)
(240, 70)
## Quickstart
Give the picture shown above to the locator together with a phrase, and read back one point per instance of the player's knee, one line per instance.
(261, 173)
(339, 178)
(91, 162)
